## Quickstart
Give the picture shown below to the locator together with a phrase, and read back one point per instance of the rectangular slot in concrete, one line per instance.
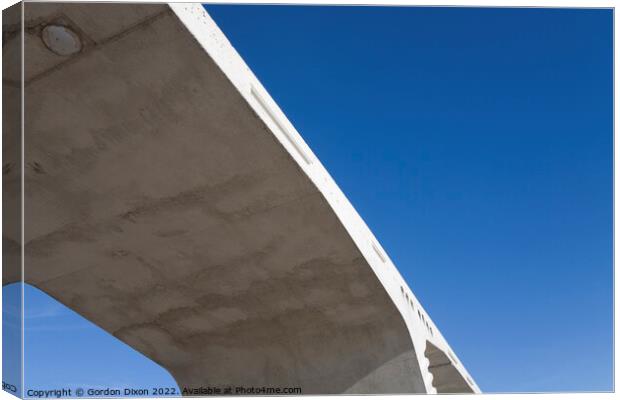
(377, 250)
(289, 137)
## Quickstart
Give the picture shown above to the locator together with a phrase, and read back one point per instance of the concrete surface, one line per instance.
(168, 200)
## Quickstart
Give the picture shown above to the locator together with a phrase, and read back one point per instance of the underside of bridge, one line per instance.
(161, 207)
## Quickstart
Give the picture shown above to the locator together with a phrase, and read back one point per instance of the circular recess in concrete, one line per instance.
(61, 40)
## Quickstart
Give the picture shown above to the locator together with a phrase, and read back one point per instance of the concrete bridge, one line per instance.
(168, 200)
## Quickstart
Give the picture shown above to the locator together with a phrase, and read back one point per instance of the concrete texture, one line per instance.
(169, 201)
(11, 147)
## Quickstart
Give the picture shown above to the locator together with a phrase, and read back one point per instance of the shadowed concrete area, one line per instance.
(159, 206)
(11, 148)
(446, 378)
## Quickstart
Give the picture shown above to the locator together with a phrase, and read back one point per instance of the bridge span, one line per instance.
(168, 200)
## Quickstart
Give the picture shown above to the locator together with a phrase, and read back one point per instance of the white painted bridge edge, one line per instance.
(215, 43)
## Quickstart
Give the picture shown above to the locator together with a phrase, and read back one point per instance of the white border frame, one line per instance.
(358, 229)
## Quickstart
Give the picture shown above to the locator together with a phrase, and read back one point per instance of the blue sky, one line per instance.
(64, 350)
(476, 144)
